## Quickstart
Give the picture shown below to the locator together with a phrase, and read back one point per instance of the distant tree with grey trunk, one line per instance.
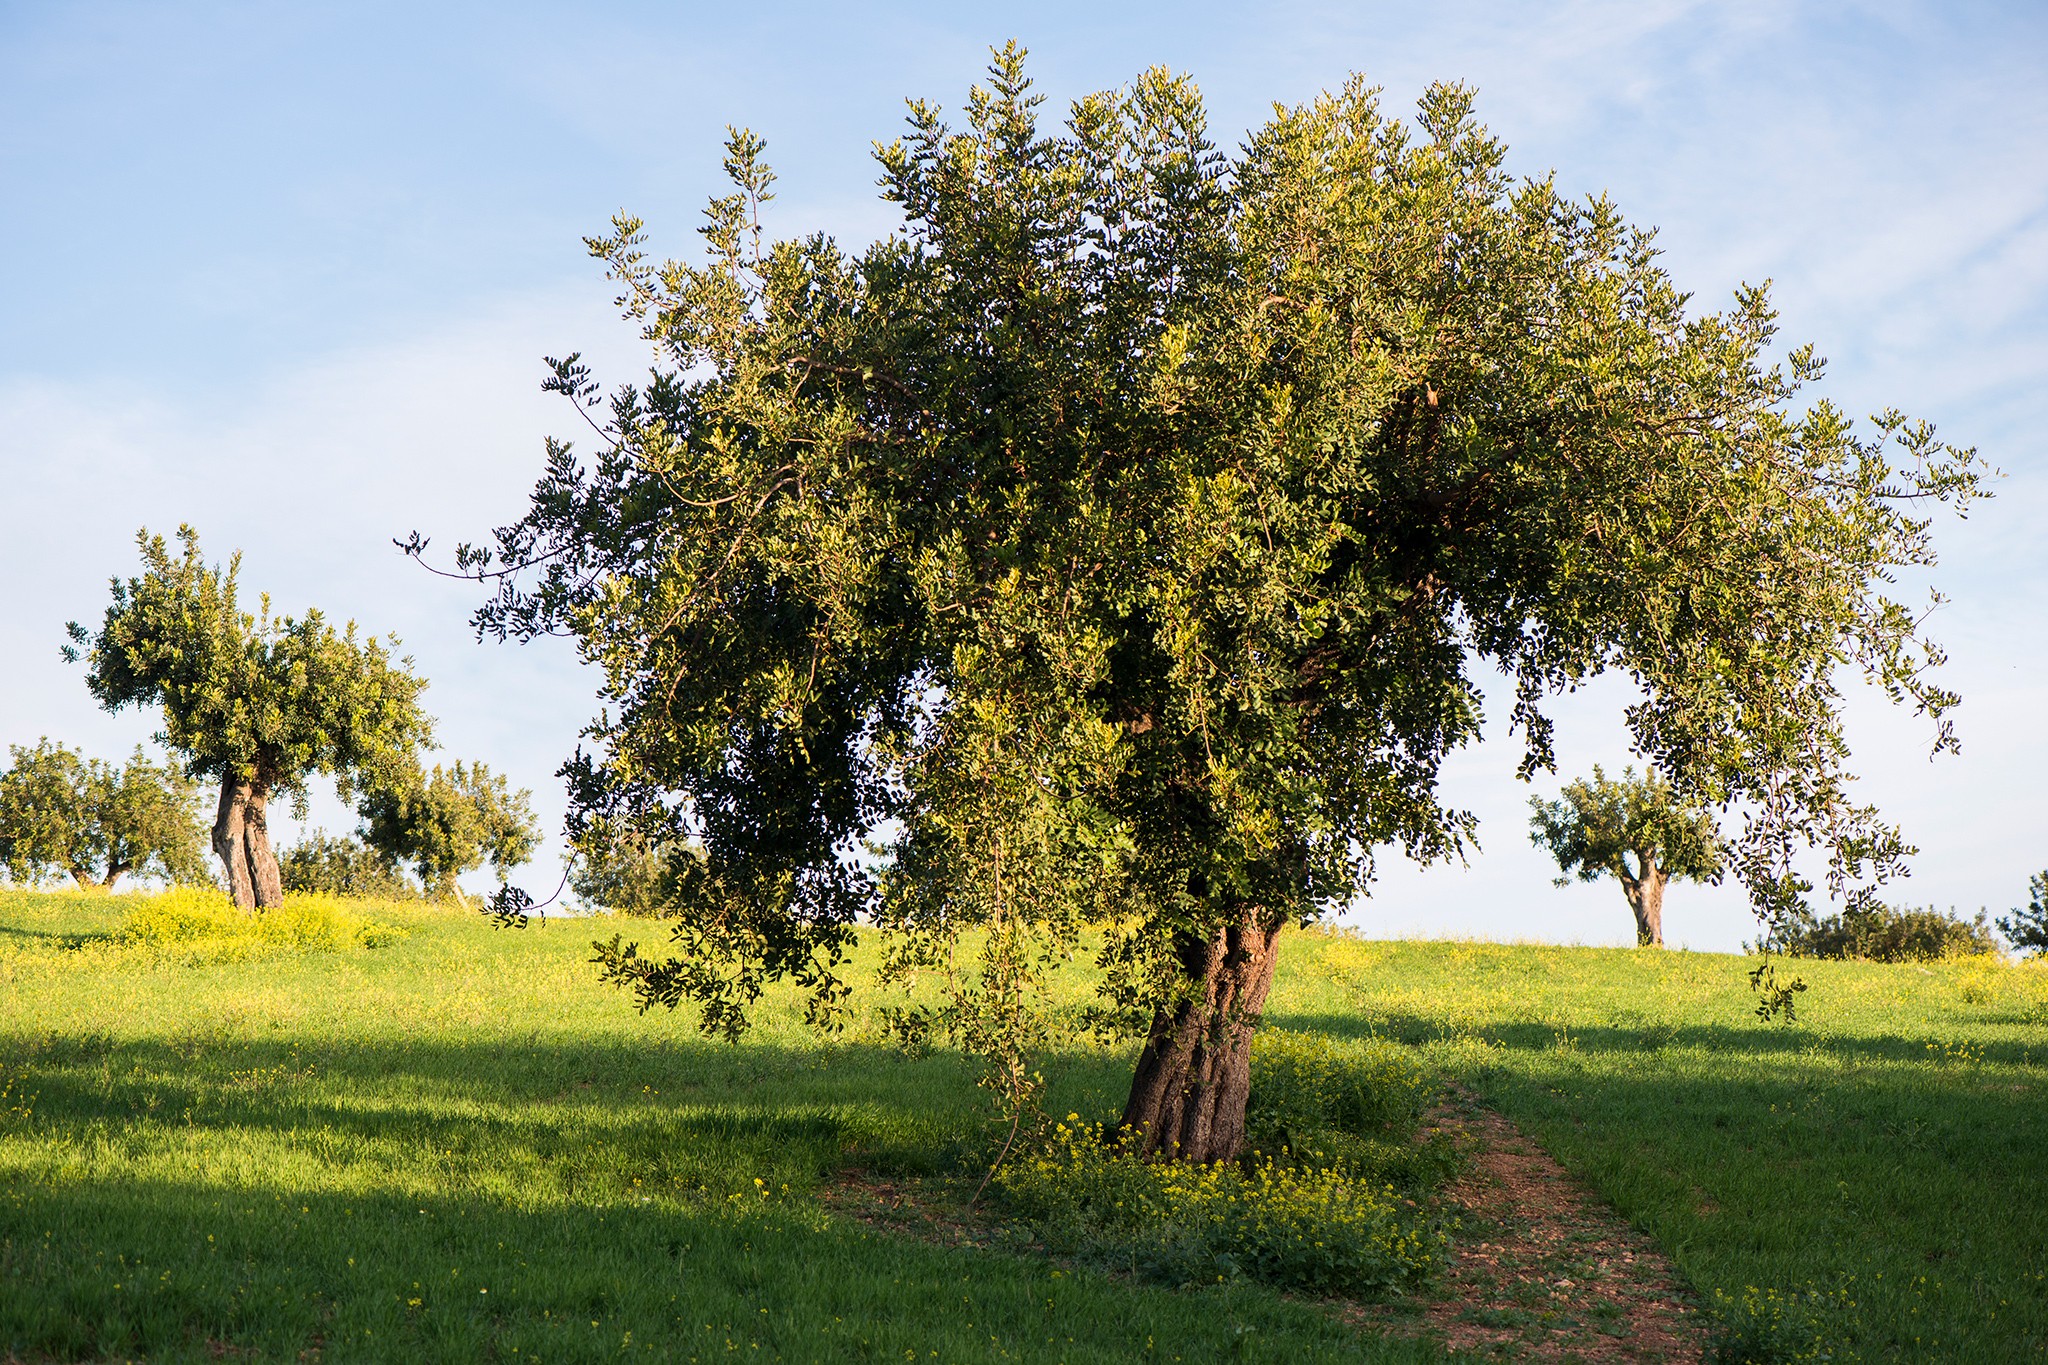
(258, 703)
(63, 812)
(448, 822)
(1635, 829)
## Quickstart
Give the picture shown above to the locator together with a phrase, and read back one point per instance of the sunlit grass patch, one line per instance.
(1348, 1105)
(1888, 1144)
(463, 1147)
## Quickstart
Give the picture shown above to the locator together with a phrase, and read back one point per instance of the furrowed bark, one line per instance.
(263, 869)
(1188, 1097)
(1646, 900)
(227, 841)
(241, 836)
(1650, 916)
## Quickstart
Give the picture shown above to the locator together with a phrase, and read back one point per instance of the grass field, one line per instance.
(454, 1145)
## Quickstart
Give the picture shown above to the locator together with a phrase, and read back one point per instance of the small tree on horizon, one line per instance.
(258, 703)
(338, 865)
(61, 811)
(1634, 829)
(2027, 929)
(618, 868)
(448, 822)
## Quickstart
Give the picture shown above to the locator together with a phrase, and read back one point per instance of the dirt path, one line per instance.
(1540, 1269)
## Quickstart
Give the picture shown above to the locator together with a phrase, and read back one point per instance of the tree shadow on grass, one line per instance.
(500, 1200)
(688, 1119)
(181, 1271)
(1643, 1036)
(54, 938)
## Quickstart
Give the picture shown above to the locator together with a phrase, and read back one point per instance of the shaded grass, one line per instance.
(465, 1110)
(458, 1147)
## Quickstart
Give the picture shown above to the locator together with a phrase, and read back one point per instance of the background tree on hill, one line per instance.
(1883, 933)
(2027, 929)
(257, 702)
(1634, 829)
(448, 822)
(618, 869)
(337, 865)
(61, 811)
(1114, 545)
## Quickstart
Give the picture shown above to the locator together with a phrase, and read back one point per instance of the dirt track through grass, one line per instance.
(1868, 1181)
(1542, 1270)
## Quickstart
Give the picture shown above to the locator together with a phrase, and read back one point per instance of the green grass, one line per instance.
(456, 1146)
(1885, 1159)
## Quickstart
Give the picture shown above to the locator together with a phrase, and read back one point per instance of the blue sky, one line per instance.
(287, 273)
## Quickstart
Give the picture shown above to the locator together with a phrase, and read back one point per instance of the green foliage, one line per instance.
(63, 812)
(1621, 827)
(621, 870)
(2027, 929)
(1351, 1106)
(1311, 1081)
(1769, 1327)
(248, 696)
(202, 926)
(332, 865)
(1292, 1226)
(1115, 542)
(1881, 933)
(449, 822)
(1311, 1208)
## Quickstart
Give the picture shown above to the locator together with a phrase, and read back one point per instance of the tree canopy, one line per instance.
(448, 822)
(1634, 829)
(2028, 928)
(337, 865)
(63, 812)
(257, 702)
(615, 868)
(1112, 547)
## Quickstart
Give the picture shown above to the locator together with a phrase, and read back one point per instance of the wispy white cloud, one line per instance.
(298, 299)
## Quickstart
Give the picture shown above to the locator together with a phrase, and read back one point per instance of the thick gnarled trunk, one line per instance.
(241, 836)
(1188, 1098)
(1646, 899)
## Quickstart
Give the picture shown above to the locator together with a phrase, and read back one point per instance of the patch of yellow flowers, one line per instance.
(199, 925)
(1298, 1226)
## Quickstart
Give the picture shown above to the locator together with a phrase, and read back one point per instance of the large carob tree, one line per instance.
(258, 703)
(1112, 548)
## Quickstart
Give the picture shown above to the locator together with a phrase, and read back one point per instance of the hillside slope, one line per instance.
(422, 1138)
